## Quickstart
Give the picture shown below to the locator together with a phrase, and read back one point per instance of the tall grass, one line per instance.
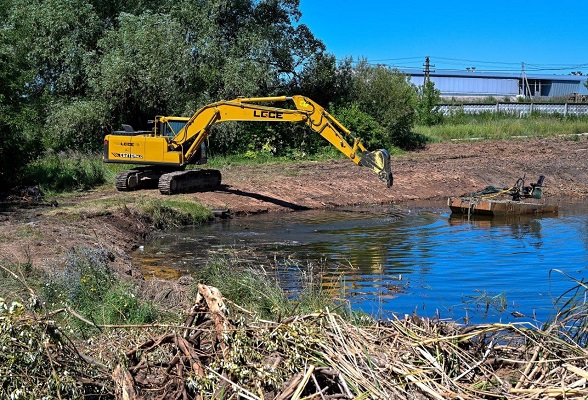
(65, 171)
(496, 126)
(254, 289)
(571, 319)
(87, 285)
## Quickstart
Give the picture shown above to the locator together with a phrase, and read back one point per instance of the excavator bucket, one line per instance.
(379, 162)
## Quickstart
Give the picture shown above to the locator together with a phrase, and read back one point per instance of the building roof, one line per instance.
(568, 84)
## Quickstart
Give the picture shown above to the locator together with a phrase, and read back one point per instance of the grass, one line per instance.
(65, 171)
(88, 285)
(173, 212)
(489, 126)
(252, 288)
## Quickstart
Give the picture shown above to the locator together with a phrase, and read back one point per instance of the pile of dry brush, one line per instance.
(224, 352)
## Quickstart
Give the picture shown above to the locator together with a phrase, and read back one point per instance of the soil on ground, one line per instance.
(42, 233)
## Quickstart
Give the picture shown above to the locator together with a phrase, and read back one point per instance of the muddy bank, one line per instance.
(439, 171)
(105, 218)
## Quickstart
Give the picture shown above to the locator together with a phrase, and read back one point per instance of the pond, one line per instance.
(401, 259)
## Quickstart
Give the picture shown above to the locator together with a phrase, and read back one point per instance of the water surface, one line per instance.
(402, 259)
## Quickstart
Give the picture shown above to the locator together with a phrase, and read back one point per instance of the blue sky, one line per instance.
(549, 37)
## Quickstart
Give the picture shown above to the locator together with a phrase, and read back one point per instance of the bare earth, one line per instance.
(43, 234)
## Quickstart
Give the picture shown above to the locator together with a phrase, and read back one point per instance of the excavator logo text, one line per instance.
(127, 155)
(268, 114)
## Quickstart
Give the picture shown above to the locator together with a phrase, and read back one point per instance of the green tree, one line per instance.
(324, 81)
(361, 124)
(427, 105)
(54, 37)
(143, 68)
(389, 97)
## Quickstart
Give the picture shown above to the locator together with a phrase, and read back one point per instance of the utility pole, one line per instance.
(427, 70)
(526, 88)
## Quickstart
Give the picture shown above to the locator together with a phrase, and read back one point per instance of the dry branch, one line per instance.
(323, 356)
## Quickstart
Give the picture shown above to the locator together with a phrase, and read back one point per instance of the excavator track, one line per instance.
(127, 180)
(189, 181)
(138, 178)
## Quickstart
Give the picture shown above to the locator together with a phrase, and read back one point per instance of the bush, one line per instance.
(76, 125)
(389, 97)
(361, 124)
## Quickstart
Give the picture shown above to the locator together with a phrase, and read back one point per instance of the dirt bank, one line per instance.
(43, 234)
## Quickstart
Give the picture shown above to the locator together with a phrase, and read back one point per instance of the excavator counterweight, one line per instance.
(176, 142)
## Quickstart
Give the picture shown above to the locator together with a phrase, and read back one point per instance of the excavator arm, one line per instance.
(190, 138)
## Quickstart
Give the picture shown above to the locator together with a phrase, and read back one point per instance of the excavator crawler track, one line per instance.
(189, 181)
(127, 181)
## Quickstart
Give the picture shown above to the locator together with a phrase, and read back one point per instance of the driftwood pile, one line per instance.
(323, 356)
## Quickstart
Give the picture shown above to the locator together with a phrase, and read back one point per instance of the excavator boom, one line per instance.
(178, 141)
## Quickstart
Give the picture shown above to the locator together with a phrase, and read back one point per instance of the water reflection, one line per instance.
(402, 260)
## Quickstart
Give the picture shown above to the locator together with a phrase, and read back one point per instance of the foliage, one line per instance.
(389, 97)
(78, 125)
(37, 361)
(64, 171)
(143, 68)
(55, 39)
(361, 124)
(427, 105)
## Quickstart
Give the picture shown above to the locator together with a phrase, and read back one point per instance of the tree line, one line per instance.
(73, 70)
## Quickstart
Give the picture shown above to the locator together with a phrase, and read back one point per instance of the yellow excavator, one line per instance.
(175, 142)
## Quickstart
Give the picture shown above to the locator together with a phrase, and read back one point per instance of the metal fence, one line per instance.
(520, 109)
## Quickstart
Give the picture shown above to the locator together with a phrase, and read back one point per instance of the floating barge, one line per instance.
(479, 206)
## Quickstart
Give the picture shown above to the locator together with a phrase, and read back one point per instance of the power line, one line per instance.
(480, 65)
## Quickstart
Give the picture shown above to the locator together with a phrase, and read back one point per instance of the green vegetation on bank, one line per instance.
(73, 71)
(497, 126)
(79, 330)
(168, 213)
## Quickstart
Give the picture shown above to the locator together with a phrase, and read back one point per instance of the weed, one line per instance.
(65, 171)
(87, 285)
(28, 231)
